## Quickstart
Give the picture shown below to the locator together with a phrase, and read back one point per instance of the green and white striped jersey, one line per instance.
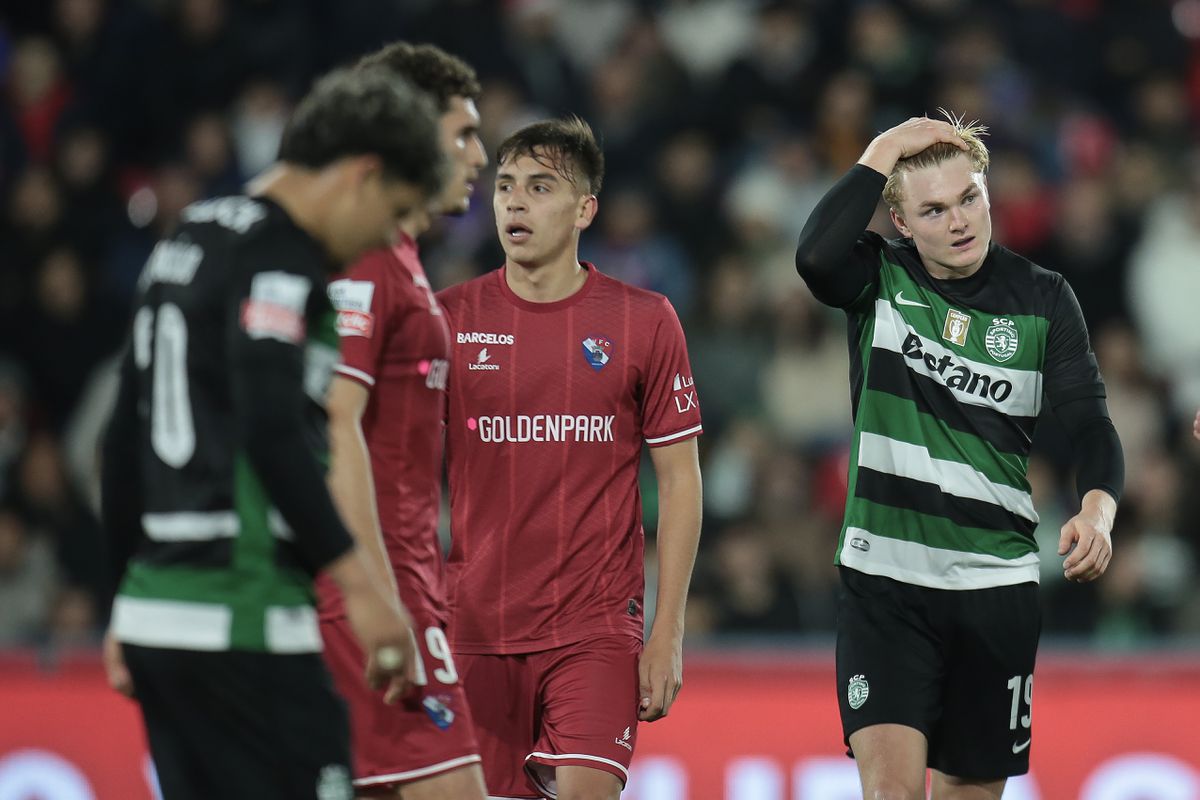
(216, 567)
(948, 378)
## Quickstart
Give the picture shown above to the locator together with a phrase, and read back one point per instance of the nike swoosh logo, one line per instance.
(1019, 747)
(902, 302)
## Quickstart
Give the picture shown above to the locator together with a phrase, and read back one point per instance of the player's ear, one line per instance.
(588, 206)
(898, 221)
(367, 171)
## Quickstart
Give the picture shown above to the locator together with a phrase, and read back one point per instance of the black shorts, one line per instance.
(957, 665)
(239, 724)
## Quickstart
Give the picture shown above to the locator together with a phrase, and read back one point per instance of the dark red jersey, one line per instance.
(550, 404)
(395, 342)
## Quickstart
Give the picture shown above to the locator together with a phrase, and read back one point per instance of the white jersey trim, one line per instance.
(181, 625)
(932, 567)
(171, 623)
(564, 756)
(672, 436)
(891, 456)
(292, 629)
(206, 526)
(190, 526)
(351, 372)
(412, 774)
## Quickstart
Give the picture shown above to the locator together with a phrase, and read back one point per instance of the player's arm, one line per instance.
(121, 476)
(829, 256)
(677, 470)
(1076, 393)
(121, 504)
(350, 478)
(1086, 539)
(266, 335)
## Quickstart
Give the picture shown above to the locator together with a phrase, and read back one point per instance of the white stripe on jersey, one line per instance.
(171, 623)
(190, 526)
(932, 567)
(351, 372)
(671, 436)
(905, 460)
(1024, 400)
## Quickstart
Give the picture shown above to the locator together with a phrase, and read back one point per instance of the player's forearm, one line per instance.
(353, 489)
(120, 480)
(679, 517)
(831, 232)
(1098, 456)
(269, 428)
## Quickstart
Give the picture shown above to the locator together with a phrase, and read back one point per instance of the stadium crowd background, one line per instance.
(723, 122)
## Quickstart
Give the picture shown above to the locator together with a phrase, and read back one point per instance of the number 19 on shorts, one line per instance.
(1015, 686)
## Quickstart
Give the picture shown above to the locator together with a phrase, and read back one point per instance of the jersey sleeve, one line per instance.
(836, 255)
(361, 299)
(1070, 370)
(670, 404)
(270, 300)
(121, 483)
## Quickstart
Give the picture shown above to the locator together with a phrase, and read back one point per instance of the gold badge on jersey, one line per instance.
(955, 329)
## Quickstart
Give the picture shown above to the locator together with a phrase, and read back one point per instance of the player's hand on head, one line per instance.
(1087, 545)
(114, 666)
(909, 138)
(660, 676)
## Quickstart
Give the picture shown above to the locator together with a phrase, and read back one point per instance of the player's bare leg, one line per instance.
(891, 762)
(948, 787)
(464, 783)
(585, 783)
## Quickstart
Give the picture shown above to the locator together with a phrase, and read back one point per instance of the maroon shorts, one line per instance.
(427, 733)
(571, 706)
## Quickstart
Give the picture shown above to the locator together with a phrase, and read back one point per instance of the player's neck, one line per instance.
(547, 282)
(292, 190)
(416, 223)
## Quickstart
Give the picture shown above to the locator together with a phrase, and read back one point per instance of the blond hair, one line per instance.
(977, 152)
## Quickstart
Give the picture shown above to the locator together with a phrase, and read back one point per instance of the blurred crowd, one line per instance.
(723, 122)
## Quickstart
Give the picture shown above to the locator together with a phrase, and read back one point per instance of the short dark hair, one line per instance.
(567, 146)
(429, 68)
(352, 112)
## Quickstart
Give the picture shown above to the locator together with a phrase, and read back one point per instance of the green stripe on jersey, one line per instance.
(898, 418)
(254, 558)
(936, 532)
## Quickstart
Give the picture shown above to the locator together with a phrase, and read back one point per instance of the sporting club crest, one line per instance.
(1001, 339)
(857, 692)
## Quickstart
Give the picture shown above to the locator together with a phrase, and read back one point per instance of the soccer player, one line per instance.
(386, 406)
(215, 504)
(559, 374)
(955, 345)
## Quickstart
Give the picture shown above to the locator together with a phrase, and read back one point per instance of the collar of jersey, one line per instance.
(557, 305)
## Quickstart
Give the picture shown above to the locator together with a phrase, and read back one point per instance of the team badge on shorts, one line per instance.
(597, 350)
(1001, 339)
(438, 711)
(857, 692)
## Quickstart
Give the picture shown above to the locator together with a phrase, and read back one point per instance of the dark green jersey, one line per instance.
(948, 378)
(230, 310)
